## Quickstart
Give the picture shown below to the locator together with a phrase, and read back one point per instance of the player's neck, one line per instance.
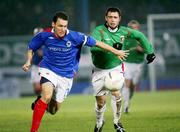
(60, 35)
(110, 29)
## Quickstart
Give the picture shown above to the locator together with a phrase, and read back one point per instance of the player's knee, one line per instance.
(47, 99)
(117, 98)
(101, 104)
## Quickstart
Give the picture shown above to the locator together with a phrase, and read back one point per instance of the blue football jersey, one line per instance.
(61, 55)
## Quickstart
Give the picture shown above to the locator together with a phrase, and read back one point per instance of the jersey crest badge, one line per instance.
(68, 44)
(122, 38)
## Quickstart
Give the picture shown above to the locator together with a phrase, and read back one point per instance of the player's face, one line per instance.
(60, 27)
(113, 19)
(135, 26)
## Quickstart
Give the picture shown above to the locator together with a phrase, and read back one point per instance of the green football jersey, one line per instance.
(134, 55)
(106, 60)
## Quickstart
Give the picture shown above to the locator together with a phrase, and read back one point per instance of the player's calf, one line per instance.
(53, 107)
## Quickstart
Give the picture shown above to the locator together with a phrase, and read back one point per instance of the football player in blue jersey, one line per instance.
(61, 55)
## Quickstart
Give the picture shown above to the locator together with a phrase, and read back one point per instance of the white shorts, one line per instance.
(133, 71)
(62, 85)
(35, 77)
(98, 78)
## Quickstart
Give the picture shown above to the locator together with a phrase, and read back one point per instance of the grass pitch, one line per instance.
(150, 112)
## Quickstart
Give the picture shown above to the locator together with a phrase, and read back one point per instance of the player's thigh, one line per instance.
(47, 91)
(128, 71)
(98, 84)
(128, 82)
(63, 88)
(138, 74)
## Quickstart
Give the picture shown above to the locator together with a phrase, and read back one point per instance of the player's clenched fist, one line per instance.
(150, 58)
(26, 66)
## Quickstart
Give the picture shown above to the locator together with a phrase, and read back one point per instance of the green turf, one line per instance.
(150, 112)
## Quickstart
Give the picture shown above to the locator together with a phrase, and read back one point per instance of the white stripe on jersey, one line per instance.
(85, 39)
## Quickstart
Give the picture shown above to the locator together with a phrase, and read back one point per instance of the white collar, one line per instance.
(67, 32)
(112, 30)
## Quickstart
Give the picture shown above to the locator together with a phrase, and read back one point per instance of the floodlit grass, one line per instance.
(150, 112)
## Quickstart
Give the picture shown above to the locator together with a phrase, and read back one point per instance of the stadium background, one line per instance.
(19, 17)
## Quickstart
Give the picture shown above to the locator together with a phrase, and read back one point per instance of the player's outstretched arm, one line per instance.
(121, 54)
(27, 64)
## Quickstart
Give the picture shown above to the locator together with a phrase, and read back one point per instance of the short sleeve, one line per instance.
(36, 42)
(85, 40)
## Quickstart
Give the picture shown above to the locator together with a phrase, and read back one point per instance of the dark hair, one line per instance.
(130, 23)
(113, 9)
(61, 15)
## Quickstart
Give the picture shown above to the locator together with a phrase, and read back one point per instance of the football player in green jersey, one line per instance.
(133, 66)
(105, 63)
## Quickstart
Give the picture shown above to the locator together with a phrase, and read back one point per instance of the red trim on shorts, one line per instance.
(122, 67)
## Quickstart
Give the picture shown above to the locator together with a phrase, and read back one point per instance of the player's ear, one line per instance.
(119, 19)
(53, 24)
(106, 18)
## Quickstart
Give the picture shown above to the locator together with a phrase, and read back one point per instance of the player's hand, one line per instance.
(150, 58)
(123, 54)
(26, 66)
